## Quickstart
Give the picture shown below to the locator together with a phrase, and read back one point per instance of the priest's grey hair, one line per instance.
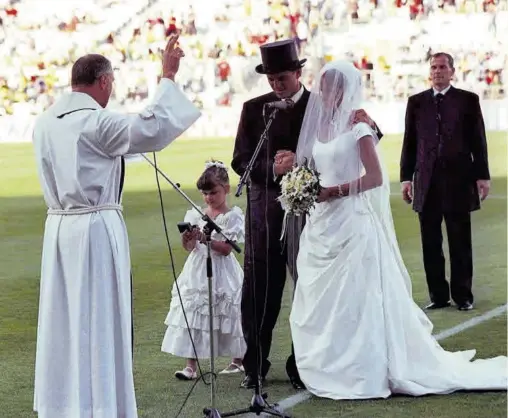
(87, 69)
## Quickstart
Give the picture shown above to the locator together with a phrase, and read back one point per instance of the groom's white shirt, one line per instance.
(298, 95)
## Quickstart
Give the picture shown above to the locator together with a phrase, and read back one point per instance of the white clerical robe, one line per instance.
(84, 359)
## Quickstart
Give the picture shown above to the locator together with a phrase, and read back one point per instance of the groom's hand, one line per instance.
(362, 116)
(284, 161)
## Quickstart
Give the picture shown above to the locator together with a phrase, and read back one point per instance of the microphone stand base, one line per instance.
(258, 406)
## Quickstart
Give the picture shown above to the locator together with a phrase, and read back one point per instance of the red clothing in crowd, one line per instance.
(224, 70)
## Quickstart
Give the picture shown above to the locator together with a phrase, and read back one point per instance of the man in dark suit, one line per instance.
(266, 257)
(444, 155)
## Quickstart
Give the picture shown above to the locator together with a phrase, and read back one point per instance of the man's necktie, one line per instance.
(439, 133)
(439, 101)
(290, 103)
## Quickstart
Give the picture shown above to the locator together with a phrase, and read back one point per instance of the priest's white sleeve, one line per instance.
(169, 115)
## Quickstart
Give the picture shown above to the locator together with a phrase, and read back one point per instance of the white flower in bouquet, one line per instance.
(300, 189)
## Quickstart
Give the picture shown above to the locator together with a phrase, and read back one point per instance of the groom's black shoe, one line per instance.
(438, 305)
(296, 382)
(292, 372)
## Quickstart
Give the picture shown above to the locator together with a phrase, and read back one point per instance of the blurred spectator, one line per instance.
(38, 43)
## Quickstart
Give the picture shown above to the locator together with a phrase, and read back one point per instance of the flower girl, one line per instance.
(227, 282)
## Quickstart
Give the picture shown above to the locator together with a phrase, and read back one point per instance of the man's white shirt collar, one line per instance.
(298, 94)
(443, 92)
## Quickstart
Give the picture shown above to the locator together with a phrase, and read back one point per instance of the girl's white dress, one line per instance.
(227, 283)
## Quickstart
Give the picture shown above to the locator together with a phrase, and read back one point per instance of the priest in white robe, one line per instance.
(84, 338)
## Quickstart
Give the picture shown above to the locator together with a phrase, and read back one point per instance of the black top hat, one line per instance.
(278, 57)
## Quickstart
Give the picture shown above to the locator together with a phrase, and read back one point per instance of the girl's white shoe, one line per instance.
(233, 368)
(186, 374)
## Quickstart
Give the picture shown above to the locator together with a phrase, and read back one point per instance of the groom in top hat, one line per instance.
(266, 257)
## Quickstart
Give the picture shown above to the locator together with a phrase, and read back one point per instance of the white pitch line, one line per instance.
(471, 323)
(490, 196)
(294, 400)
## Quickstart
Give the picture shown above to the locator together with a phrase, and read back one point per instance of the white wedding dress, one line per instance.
(356, 330)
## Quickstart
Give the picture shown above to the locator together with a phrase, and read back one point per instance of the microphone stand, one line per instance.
(207, 229)
(245, 179)
(258, 403)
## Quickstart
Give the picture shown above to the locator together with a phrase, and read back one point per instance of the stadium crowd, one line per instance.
(40, 40)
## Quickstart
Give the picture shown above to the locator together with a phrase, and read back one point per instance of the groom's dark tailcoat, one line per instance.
(444, 153)
(266, 265)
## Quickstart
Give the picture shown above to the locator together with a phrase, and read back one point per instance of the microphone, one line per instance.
(281, 104)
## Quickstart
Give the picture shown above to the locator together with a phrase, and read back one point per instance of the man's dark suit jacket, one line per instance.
(458, 155)
(283, 134)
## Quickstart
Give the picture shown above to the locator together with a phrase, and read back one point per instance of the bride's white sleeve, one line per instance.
(361, 130)
(363, 152)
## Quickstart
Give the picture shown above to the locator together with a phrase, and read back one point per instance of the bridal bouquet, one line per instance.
(300, 189)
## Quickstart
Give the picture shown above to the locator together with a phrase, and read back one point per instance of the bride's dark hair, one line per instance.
(215, 174)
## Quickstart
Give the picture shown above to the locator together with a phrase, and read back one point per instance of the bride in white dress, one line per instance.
(356, 330)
